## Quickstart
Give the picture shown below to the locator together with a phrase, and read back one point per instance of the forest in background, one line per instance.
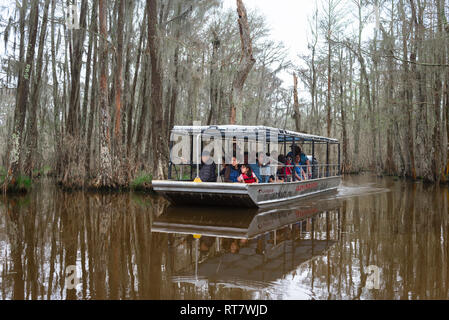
(93, 104)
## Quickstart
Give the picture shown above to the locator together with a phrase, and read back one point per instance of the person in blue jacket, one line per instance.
(304, 161)
(232, 171)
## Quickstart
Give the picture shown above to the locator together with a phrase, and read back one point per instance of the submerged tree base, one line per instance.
(19, 185)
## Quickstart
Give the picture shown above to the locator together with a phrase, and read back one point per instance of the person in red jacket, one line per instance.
(247, 175)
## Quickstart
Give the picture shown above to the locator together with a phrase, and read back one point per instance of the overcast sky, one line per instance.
(288, 22)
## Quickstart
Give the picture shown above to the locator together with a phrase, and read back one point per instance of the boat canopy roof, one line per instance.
(252, 133)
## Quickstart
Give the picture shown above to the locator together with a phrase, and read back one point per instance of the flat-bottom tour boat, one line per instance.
(183, 190)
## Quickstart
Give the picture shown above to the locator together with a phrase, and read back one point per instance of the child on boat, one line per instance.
(284, 173)
(247, 175)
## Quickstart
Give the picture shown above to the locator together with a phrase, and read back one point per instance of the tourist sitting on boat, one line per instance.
(281, 175)
(304, 161)
(232, 171)
(234, 247)
(261, 168)
(208, 168)
(271, 179)
(294, 150)
(247, 176)
(300, 174)
(285, 170)
(272, 162)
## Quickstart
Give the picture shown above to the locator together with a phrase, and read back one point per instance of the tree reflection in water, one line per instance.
(403, 231)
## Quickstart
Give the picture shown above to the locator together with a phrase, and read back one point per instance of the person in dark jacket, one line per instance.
(208, 168)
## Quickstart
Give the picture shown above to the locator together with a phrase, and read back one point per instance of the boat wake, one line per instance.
(357, 191)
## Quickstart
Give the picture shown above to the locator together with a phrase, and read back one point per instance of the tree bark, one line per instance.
(104, 176)
(421, 123)
(93, 96)
(130, 106)
(297, 114)
(23, 89)
(345, 162)
(246, 63)
(213, 90)
(407, 97)
(32, 122)
(159, 144)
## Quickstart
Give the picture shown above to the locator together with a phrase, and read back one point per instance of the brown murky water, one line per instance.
(374, 239)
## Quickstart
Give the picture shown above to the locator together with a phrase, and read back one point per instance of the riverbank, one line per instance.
(142, 182)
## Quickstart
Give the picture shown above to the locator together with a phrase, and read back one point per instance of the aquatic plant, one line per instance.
(142, 182)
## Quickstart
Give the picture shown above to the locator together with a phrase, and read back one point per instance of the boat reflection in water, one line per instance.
(248, 249)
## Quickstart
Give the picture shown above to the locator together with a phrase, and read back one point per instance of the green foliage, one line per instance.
(42, 172)
(142, 182)
(2, 174)
(23, 182)
(186, 177)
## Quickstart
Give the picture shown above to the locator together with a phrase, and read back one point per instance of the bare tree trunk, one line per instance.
(84, 115)
(421, 124)
(376, 150)
(328, 100)
(213, 91)
(131, 103)
(296, 114)
(407, 97)
(104, 176)
(313, 90)
(74, 171)
(447, 110)
(144, 112)
(118, 72)
(32, 122)
(56, 99)
(246, 63)
(437, 141)
(159, 143)
(75, 70)
(93, 97)
(345, 162)
(174, 91)
(390, 166)
(119, 174)
(175, 85)
(22, 101)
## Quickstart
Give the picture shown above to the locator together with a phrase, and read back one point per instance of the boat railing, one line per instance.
(315, 171)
